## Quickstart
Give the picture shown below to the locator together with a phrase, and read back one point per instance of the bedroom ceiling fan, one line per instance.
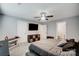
(43, 16)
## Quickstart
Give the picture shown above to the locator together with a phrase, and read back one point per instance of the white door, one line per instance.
(22, 31)
(61, 30)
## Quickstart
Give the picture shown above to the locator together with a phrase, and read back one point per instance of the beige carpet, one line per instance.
(19, 49)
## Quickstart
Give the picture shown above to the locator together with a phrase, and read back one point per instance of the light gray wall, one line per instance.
(51, 29)
(72, 27)
(8, 25)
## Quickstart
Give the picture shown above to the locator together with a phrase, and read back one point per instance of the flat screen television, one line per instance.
(33, 27)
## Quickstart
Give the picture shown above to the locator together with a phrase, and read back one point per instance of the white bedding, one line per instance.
(50, 45)
(46, 44)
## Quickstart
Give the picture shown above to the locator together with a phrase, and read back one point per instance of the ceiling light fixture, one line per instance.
(43, 16)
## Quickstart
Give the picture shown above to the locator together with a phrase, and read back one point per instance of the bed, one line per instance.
(49, 47)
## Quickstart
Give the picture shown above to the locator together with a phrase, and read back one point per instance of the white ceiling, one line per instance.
(29, 10)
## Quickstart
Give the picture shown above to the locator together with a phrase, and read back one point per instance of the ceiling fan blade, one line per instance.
(36, 17)
(50, 16)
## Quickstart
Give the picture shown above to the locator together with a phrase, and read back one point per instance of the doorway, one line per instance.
(61, 30)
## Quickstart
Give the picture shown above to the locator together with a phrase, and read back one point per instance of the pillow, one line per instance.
(68, 46)
(71, 40)
(61, 43)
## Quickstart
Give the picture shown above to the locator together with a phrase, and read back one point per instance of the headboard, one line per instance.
(33, 38)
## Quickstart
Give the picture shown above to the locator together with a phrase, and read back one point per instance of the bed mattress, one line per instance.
(49, 47)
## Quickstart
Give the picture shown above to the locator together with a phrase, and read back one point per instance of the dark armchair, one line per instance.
(4, 48)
